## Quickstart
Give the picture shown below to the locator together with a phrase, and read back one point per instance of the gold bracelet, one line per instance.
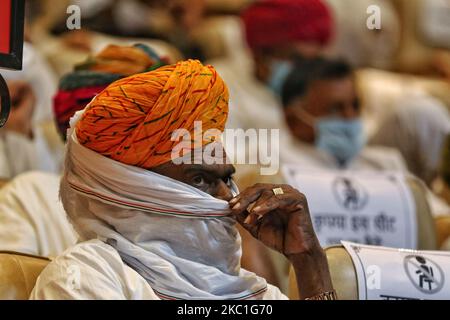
(331, 295)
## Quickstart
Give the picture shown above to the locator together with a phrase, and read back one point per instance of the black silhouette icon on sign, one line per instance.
(425, 274)
(350, 194)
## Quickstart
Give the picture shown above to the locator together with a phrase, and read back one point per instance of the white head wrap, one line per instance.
(180, 239)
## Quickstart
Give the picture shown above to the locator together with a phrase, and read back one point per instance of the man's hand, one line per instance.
(22, 107)
(282, 222)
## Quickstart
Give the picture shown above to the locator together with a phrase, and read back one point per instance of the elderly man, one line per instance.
(154, 229)
(324, 125)
(325, 129)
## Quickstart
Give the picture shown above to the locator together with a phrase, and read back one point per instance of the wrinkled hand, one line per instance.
(281, 222)
(22, 107)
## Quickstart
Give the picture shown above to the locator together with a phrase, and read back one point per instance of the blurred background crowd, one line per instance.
(287, 65)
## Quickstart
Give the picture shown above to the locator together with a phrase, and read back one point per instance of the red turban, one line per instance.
(270, 23)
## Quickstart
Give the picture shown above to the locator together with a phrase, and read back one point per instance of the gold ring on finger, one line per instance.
(277, 191)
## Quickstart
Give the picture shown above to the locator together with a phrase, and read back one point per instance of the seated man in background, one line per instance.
(155, 228)
(32, 219)
(325, 129)
(323, 117)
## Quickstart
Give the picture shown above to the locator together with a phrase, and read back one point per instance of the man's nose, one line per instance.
(223, 191)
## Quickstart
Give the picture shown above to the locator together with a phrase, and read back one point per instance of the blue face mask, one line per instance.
(279, 70)
(343, 139)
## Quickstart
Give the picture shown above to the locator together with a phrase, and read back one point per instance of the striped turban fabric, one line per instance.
(133, 119)
(79, 87)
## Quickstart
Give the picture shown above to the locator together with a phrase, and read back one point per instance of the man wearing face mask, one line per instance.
(322, 113)
(277, 32)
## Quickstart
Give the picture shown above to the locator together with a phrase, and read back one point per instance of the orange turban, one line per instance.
(133, 119)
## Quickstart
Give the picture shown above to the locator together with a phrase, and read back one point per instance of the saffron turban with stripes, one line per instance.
(133, 119)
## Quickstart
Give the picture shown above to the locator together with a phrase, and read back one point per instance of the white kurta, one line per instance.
(32, 219)
(94, 270)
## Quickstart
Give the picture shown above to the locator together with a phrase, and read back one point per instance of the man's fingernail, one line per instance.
(237, 206)
(247, 220)
(233, 201)
(256, 209)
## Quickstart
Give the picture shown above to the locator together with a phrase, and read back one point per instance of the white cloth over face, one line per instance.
(32, 218)
(181, 240)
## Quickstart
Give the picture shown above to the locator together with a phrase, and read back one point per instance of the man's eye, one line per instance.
(228, 181)
(198, 181)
